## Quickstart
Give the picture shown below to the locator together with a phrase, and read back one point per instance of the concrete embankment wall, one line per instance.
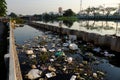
(14, 66)
(109, 41)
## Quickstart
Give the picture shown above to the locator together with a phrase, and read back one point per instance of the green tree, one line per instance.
(94, 10)
(13, 15)
(88, 10)
(68, 12)
(3, 7)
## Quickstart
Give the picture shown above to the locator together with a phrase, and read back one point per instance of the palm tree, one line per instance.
(94, 10)
(109, 10)
(88, 10)
(3, 7)
(101, 9)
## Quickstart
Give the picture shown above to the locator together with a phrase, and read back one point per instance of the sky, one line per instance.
(30, 7)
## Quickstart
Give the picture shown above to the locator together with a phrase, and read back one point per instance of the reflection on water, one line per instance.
(25, 33)
(68, 23)
(99, 27)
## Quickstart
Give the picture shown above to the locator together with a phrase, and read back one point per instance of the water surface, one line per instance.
(26, 33)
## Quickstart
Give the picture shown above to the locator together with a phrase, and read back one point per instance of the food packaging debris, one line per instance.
(73, 46)
(95, 75)
(69, 59)
(49, 75)
(29, 52)
(50, 68)
(97, 49)
(51, 60)
(73, 77)
(34, 74)
(65, 44)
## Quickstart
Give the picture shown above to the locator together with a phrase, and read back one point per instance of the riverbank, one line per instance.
(72, 18)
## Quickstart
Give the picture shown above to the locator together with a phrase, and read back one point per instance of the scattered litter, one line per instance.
(43, 49)
(33, 67)
(73, 77)
(101, 73)
(34, 74)
(51, 50)
(73, 46)
(97, 49)
(29, 52)
(59, 53)
(51, 60)
(49, 75)
(69, 59)
(85, 62)
(95, 75)
(60, 58)
(51, 69)
(33, 56)
(65, 44)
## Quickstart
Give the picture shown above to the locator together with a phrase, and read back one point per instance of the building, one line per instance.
(60, 11)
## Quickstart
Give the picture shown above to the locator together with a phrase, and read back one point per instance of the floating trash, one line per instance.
(29, 52)
(49, 75)
(101, 73)
(73, 77)
(65, 44)
(33, 67)
(41, 79)
(51, 50)
(55, 57)
(51, 60)
(34, 74)
(50, 68)
(73, 46)
(43, 49)
(95, 75)
(33, 56)
(97, 49)
(85, 62)
(69, 59)
(59, 53)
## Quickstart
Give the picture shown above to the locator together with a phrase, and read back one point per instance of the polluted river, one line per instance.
(46, 55)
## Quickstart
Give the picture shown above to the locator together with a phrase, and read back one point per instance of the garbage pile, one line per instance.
(51, 57)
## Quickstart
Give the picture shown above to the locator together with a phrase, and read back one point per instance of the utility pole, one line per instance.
(118, 9)
(119, 5)
(80, 6)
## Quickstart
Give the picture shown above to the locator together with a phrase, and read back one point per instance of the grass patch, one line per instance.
(72, 18)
